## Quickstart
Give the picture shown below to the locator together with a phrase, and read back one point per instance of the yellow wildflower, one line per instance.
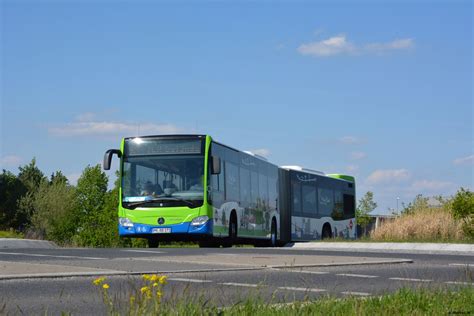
(105, 286)
(159, 294)
(163, 279)
(146, 291)
(155, 284)
(154, 277)
(98, 281)
(146, 277)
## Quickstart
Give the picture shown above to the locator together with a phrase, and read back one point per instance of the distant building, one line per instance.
(376, 220)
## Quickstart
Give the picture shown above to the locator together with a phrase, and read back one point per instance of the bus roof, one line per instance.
(289, 167)
(301, 169)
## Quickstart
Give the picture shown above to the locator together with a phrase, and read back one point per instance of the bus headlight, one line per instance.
(200, 220)
(125, 222)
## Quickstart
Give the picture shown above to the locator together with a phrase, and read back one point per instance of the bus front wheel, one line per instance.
(232, 239)
(208, 243)
(153, 243)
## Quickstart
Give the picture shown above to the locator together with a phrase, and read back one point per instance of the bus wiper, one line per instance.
(134, 205)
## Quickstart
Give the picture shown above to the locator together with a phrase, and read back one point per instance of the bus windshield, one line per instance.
(162, 180)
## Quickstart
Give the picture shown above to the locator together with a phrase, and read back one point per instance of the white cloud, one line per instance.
(264, 152)
(431, 186)
(10, 161)
(388, 176)
(469, 160)
(398, 44)
(87, 125)
(357, 155)
(338, 45)
(350, 140)
(328, 47)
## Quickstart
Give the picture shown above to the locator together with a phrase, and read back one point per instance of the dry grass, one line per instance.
(425, 224)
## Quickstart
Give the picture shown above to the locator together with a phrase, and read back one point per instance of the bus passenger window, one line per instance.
(326, 202)
(338, 209)
(296, 198)
(309, 200)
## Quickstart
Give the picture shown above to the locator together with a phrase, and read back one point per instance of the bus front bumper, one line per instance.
(139, 230)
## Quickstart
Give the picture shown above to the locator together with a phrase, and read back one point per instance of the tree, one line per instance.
(463, 208)
(364, 207)
(91, 189)
(95, 224)
(420, 203)
(55, 216)
(58, 176)
(31, 177)
(11, 190)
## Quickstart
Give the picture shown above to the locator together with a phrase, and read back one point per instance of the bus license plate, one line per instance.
(165, 230)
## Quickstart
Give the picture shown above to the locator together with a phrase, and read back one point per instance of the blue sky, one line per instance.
(379, 91)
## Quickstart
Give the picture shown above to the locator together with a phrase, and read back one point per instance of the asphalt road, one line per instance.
(35, 281)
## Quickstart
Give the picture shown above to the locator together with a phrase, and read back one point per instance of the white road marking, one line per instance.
(189, 280)
(300, 289)
(470, 265)
(358, 275)
(460, 283)
(356, 293)
(146, 251)
(40, 255)
(301, 271)
(240, 284)
(410, 279)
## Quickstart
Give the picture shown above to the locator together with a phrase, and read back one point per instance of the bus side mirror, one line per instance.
(108, 157)
(215, 165)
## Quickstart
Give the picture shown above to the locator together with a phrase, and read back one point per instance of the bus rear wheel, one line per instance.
(326, 234)
(273, 242)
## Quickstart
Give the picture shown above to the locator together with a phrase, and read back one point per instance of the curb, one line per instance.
(16, 243)
(112, 273)
(421, 248)
(356, 263)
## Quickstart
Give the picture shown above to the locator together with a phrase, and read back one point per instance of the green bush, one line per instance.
(462, 207)
(55, 215)
(97, 209)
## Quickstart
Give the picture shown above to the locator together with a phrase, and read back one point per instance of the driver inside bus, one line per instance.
(197, 183)
(151, 189)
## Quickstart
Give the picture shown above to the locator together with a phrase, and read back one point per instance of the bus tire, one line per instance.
(208, 243)
(232, 239)
(153, 242)
(326, 233)
(273, 235)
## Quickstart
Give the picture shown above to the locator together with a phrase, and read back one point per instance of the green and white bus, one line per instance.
(190, 187)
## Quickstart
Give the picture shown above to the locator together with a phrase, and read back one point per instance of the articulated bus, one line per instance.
(193, 188)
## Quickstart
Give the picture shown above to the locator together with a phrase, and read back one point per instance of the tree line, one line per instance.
(85, 214)
(51, 208)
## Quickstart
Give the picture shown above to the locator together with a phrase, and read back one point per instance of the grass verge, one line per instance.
(148, 299)
(10, 234)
